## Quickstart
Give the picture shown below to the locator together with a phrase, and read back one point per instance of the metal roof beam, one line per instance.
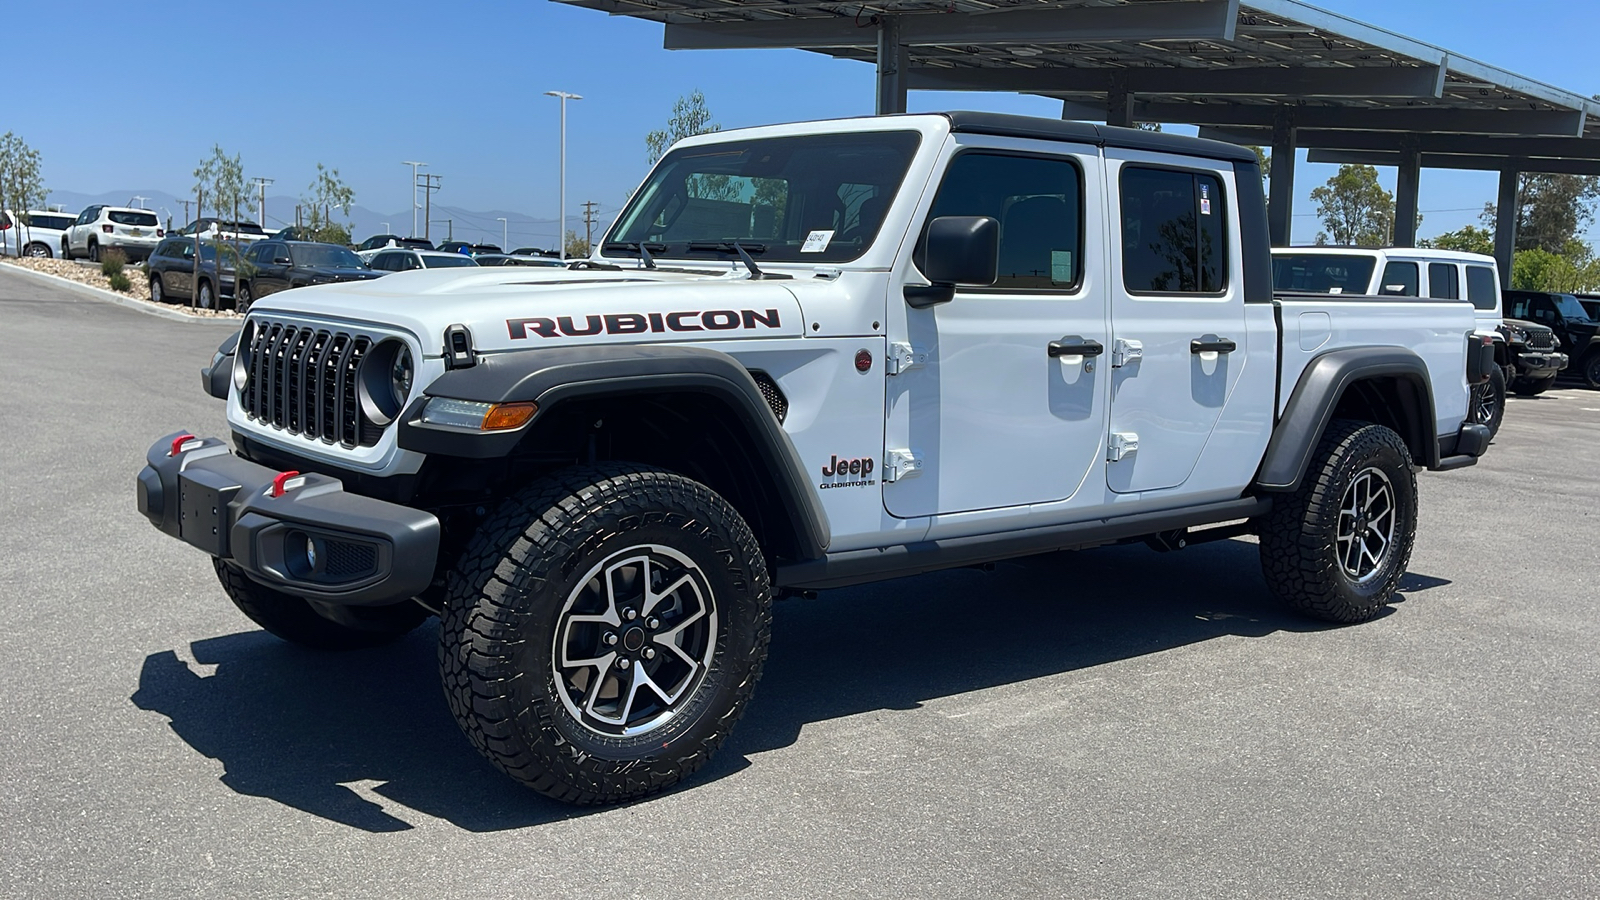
(1264, 81)
(1421, 119)
(1181, 20)
(1460, 144)
(1456, 161)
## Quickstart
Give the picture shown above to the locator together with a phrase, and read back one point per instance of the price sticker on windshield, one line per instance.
(816, 242)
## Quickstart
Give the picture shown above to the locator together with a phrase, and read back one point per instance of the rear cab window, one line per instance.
(1323, 273)
(1481, 288)
(1174, 237)
(1400, 279)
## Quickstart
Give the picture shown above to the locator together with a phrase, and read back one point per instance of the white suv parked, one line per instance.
(135, 232)
(33, 233)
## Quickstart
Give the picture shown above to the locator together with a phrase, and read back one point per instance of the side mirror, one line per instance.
(956, 250)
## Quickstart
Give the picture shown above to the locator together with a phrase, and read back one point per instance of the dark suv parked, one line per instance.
(171, 269)
(1535, 356)
(1579, 334)
(272, 266)
(379, 241)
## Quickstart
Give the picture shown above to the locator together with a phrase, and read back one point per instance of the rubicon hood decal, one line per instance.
(642, 323)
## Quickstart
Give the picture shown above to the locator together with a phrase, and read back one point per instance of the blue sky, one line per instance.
(361, 87)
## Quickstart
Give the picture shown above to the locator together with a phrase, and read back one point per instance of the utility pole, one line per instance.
(261, 210)
(414, 166)
(561, 229)
(503, 233)
(429, 185)
(186, 219)
(588, 224)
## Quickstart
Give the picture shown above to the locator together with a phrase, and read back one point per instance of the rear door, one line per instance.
(1177, 315)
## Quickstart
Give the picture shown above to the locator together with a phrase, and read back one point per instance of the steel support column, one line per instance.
(1280, 208)
(891, 67)
(1505, 224)
(1407, 184)
(1119, 102)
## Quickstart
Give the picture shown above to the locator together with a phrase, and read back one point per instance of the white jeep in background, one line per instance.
(99, 228)
(805, 356)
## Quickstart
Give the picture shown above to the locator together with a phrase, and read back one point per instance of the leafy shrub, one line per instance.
(120, 282)
(111, 263)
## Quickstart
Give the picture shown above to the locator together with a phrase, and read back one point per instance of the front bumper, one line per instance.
(1540, 363)
(311, 540)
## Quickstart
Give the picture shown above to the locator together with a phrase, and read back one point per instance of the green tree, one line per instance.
(328, 193)
(1575, 269)
(577, 245)
(1470, 239)
(1354, 208)
(219, 179)
(21, 184)
(1552, 210)
(690, 117)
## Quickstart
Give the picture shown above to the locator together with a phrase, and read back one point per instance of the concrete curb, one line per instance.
(102, 294)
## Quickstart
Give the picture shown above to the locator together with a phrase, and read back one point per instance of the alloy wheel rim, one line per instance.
(1367, 517)
(1594, 370)
(634, 640)
(1485, 406)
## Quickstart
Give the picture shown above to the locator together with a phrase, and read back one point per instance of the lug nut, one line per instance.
(649, 653)
(623, 663)
(630, 614)
(654, 623)
(610, 638)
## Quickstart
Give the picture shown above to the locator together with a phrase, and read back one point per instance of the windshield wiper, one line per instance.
(734, 246)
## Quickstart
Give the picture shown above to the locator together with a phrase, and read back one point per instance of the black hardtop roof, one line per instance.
(1092, 133)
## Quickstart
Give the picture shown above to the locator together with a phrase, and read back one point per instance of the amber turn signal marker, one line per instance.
(506, 416)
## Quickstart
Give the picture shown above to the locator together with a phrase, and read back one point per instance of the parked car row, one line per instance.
(35, 232)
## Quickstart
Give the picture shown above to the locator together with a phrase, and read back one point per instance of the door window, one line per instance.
(1400, 280)
(1444, 282)
(1480, 287)
(1038, 202)
(1174, 238)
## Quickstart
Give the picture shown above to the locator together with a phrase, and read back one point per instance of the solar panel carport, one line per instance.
(1268, 72)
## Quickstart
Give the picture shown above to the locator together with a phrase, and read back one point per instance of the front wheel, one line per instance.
(1591, 369)
(94, 251)
(1489, 401)
(66, 250)
(157, 295)
(604, 630)
(1337, 546)
(320, 626)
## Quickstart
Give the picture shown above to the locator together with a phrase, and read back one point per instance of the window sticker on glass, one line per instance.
(1061, 267)
(816, 242)
(1205, 200)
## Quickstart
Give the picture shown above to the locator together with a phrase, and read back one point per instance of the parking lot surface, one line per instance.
(1114, 723)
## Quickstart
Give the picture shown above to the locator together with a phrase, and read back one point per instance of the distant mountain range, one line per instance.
(469, 225)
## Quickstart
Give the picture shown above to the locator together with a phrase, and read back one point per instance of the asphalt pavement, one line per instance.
(1113, 723)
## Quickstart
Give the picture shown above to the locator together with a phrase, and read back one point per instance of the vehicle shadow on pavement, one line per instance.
(297, 726)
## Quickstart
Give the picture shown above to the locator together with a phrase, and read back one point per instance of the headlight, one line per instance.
(471, 415)
(384, 383)
(1516, 335)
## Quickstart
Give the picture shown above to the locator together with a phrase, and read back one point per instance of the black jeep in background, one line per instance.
(1533, 354)
(1577, 332)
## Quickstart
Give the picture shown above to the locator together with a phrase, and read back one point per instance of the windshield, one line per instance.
(447, 262)
(1322, 273)
(1570, 307)
(815, 198)
(147, 220)
(325, 256)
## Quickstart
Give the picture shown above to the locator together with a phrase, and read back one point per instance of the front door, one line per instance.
(992, 413)
(1177, 316)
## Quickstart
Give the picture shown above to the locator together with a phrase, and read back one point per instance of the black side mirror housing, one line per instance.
(956, 250)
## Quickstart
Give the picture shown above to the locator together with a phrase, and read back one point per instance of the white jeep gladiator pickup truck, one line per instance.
(805, 356)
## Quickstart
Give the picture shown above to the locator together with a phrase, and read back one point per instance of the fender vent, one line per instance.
(776, 401)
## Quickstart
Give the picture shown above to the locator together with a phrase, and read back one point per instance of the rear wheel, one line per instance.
(604, 630)
(1337, 546)
(320, 626)
(1489, 401)
(205, 295)
(94, 251)
(66, 250)
(241, 297)
(157, 295)
(1591, 368)
(37, 250)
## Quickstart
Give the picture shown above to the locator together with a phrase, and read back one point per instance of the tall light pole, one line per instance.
(561, 228)
(261, 211)
(503, 232)
(414, 166)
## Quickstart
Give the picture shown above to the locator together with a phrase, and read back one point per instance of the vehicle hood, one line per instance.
(518, 308)
(1526, 325)
(336, 272)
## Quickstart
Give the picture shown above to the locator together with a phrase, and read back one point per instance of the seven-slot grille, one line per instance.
(303, 381)
(1541, 340)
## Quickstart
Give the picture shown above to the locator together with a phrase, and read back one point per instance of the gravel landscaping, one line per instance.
(90, 275)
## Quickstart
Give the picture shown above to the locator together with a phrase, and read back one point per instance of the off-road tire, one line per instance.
(508, 594)
(1489, 401)
(1300, 554)
(1531, 387)
(157, 293)
(1590, 368)
(318, 626)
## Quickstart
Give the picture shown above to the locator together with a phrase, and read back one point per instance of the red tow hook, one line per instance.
(179, 442)
(280, 483)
